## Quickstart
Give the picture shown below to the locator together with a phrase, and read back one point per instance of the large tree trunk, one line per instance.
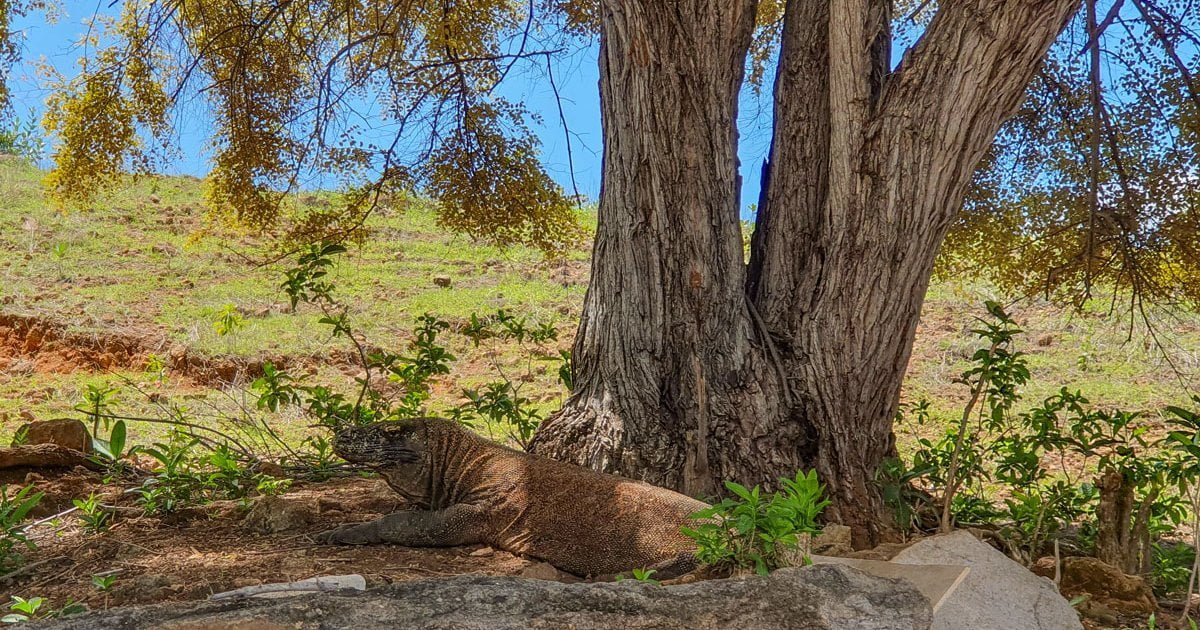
(669, 384)
(682, 379)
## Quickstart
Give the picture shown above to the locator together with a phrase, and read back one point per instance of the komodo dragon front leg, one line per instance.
(461, 524)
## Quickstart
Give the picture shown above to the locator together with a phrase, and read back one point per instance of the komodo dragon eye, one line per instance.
(379, 445)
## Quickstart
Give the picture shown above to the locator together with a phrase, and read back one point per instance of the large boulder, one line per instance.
(811, 598)
(998, 594)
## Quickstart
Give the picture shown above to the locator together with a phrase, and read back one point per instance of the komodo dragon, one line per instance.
(467, 490)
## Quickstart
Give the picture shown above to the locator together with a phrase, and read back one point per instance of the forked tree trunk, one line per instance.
(1123, 524)
(670, 385)
(691, 367)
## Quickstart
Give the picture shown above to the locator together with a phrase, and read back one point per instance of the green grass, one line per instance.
(143, 260)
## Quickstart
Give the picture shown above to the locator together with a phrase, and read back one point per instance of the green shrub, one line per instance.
(13, 511)
(96, 518)
(752, 531)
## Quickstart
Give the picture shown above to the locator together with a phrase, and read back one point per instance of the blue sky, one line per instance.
(576, 75)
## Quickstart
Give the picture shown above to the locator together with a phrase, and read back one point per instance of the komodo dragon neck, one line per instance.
(457, 467)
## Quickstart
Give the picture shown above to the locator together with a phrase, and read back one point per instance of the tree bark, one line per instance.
(669, 383)
(692, 367)
(1123, 524)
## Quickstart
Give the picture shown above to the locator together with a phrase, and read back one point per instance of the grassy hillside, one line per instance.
(141, 273)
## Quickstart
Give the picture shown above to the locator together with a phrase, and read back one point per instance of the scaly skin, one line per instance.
(468, 490)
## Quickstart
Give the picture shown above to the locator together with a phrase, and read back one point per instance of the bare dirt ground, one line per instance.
(44, 346)
(201, 551)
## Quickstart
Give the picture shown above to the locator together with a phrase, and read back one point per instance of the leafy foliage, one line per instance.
(14, 508)
(97, 401)
(276, 77)
(994, 449)
(408, 375)
(22, 137)
(646, 576)
(185, 474)
(35, 608)
(111, 451)
(228, 321)
(752, 531)
(1093, 182)
(96, 518)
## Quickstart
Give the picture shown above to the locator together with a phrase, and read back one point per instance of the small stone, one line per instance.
(1045, 340)
(442, 281)
(272, 469)
(833, 538)
(485, 552)
(543, 571)
(272, 514)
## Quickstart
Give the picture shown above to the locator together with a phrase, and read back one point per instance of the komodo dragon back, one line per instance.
(579, 520)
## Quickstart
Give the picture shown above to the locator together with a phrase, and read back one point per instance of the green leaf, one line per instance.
(116, 440)
(739, 490)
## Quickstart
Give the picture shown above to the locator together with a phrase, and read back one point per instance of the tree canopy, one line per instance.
(1096, 179)
(1093, 182)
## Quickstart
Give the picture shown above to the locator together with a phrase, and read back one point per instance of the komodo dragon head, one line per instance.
(379, 445)
(399, 450)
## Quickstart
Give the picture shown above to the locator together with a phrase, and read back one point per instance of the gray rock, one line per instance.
(811, 598)
(997, 594)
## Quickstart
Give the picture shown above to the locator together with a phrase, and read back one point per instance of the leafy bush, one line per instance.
(173, 484)
(411, 373)
(97, 403)
(13, 511)
(992, 449)
(752, 531)
(96, 518)
(190, 472)
(229, 321)
(1172, 567)
(501, 404)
